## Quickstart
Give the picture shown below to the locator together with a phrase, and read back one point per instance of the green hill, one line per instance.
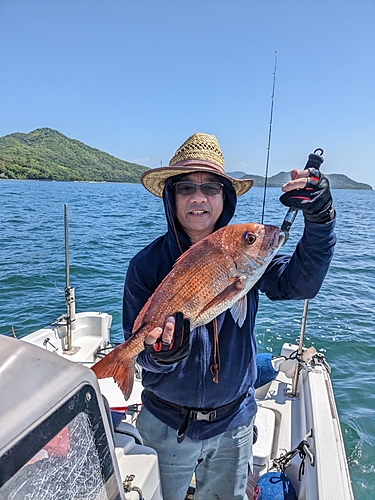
(48, 154)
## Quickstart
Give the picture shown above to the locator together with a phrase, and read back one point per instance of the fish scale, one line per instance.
(212, 276)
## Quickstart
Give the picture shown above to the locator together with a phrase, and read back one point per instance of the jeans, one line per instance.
(221, 463)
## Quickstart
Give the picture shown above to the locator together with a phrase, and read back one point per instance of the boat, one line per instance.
(66, 435)
(48, 395)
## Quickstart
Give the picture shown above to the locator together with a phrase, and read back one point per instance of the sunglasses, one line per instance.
(187, 188)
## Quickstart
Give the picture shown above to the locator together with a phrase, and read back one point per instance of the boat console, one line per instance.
(56, 440)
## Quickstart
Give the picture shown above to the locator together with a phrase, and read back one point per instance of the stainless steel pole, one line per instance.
(297, 369)
(68, 338)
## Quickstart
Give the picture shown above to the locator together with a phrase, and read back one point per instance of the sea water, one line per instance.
(109, 223)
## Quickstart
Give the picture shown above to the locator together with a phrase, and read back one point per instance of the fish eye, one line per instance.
(249, 238)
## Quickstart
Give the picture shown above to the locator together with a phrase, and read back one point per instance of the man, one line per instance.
(212, 413)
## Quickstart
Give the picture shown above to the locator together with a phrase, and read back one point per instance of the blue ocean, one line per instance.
(109, 223)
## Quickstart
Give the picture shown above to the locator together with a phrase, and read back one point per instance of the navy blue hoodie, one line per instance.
(190, 382)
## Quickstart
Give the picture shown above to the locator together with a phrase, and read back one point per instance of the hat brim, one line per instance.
(154, 179)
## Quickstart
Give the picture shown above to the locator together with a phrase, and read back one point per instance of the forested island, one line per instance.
(46, 154)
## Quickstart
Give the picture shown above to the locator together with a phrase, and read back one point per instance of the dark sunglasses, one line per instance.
(208, 188)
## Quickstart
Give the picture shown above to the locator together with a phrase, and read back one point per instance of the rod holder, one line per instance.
(69, 294)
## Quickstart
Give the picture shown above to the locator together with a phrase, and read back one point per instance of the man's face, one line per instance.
(198, 213)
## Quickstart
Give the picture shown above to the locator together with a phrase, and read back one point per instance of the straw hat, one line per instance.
(199, 153)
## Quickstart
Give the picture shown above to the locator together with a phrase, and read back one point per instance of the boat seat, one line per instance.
(262, 449)
(119, 426)
(129, 430)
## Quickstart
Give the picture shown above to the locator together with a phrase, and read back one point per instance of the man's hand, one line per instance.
(309, 191)
(170, 344)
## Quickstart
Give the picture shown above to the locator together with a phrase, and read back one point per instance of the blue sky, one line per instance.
(135, 78)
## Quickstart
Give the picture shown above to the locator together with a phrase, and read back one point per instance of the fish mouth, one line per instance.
(280, 241)
(277, 240)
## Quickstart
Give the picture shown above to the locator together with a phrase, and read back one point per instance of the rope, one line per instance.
(302, 450)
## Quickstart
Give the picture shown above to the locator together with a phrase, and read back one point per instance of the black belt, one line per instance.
(195, 413)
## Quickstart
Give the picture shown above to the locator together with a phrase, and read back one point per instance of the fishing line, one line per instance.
(268, 157)
(269, 138)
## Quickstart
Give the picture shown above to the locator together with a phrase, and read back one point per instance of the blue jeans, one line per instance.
(221, 463)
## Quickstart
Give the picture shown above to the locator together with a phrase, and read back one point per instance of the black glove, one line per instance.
(178, 349)
(314, 199)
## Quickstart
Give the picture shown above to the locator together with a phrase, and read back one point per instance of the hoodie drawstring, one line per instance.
(215, 367)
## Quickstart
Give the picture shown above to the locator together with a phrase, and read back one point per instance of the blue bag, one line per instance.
(274, 486)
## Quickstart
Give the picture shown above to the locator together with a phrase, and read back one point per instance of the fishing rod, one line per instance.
(269, 138)
(315, 160)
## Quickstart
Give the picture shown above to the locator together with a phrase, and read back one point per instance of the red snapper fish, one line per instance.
(212, 276)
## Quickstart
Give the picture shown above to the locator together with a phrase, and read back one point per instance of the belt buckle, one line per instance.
(208, 415)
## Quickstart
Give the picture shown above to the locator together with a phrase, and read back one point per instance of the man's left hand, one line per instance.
(173, 345)
(309, 191)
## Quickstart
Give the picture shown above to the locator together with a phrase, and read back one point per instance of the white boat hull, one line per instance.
(314, 410)
(283, 421)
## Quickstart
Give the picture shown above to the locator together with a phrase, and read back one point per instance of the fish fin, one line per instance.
(228, 293)
(239, 311)
(139, 319)
(121, 371)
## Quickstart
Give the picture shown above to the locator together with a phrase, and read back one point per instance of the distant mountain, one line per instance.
(341, 181)
(48, 154)
(336, 181)
(258, 179)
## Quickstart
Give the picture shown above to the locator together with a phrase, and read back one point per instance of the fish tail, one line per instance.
(122, 371)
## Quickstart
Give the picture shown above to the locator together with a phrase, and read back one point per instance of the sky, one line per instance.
(135, 78)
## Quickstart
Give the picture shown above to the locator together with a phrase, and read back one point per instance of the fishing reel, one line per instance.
(315, 160)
